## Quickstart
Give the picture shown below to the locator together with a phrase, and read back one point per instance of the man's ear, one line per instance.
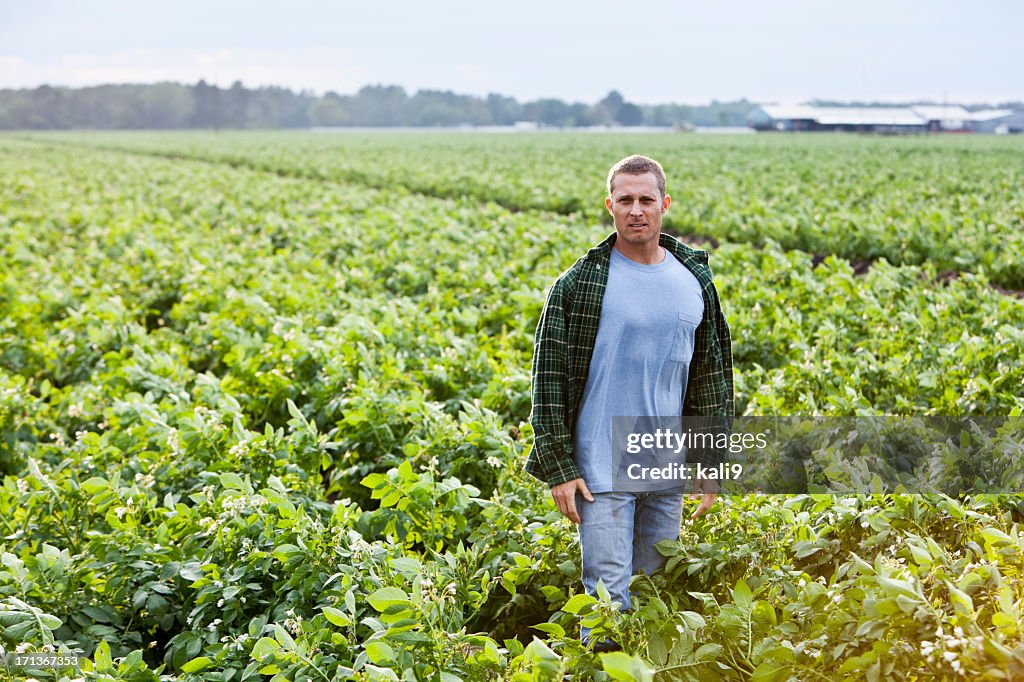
(666, 203)
(608, 203)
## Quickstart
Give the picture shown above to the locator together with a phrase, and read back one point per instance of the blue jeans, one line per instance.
(618, 532)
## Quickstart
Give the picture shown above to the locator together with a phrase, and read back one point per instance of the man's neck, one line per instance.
(650, 253)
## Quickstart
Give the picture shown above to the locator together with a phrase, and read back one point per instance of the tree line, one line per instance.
(175, 105)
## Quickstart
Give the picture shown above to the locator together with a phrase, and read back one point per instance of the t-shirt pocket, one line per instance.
(682, 344)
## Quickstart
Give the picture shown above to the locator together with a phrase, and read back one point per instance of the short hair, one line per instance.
(638, 165)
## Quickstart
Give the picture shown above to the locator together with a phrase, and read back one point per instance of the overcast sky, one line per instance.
(649, 50)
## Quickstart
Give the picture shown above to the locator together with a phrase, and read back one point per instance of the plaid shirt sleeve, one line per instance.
(710, 387)
(551, 458)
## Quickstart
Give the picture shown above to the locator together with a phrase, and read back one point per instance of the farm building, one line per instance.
(943, 118)
(997, 121)
(886, 120)
(799, 117)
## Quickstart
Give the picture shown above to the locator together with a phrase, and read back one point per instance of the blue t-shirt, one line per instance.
(641, 357)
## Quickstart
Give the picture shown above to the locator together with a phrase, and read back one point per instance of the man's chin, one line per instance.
(635, 238)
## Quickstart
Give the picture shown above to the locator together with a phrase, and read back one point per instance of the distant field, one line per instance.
(955, 201)
(263, 403)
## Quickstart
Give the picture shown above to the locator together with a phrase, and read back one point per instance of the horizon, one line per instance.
(410, 93)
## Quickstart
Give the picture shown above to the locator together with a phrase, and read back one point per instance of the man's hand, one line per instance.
(564, 496)
(709, 488)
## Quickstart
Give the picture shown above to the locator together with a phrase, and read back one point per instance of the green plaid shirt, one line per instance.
(565, 342)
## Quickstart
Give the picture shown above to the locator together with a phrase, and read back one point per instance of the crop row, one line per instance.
(955, 202)
(454, 285)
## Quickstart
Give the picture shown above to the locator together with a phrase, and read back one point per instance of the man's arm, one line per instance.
(710, 396)
(709, 390)
(551, 458)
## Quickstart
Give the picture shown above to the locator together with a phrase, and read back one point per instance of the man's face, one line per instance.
(637, 205)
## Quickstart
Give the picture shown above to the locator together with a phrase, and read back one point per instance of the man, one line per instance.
(634, 327)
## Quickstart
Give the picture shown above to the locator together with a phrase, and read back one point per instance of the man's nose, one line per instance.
(635, 209)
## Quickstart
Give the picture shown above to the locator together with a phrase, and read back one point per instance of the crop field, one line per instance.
(264, 402)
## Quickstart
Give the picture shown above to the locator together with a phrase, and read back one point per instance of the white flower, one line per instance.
(294, 625)
(75, 410)
(233, 504)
